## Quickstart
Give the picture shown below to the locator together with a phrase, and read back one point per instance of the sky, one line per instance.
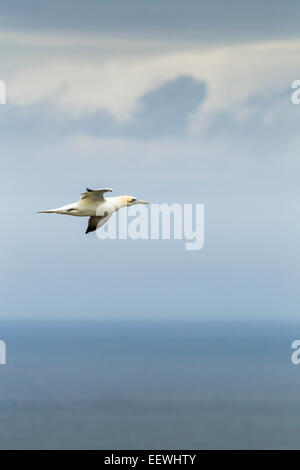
(170, 101)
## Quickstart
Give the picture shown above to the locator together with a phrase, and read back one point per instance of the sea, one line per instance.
(155, 384)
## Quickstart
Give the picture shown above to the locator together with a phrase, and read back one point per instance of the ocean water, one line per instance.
(149, 385)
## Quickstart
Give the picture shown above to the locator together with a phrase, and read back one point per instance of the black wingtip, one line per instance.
(89, 190)
(88, 230)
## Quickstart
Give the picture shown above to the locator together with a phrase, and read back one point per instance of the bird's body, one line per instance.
(93, 204)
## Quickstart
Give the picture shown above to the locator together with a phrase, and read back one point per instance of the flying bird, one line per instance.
(94, 205)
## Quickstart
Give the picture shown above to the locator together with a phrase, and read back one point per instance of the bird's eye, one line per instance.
(133, 199)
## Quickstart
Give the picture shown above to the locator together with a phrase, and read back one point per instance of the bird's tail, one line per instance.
(51, 211)
(69, 209)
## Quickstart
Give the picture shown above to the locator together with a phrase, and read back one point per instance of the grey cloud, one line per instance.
(160, 112)
(209, 21)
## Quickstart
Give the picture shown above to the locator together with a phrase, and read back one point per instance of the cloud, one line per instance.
(232, 75)
(25, 39)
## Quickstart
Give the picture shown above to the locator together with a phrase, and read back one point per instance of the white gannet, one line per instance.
(94, 205)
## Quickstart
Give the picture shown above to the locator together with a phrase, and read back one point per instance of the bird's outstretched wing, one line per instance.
(96, 222)
(95, 194)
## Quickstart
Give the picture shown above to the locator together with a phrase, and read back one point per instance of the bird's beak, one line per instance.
(139, 201)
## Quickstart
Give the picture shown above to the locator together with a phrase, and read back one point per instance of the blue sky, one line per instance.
(170, 101)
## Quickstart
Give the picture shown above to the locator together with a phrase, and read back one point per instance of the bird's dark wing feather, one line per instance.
(93, 222)
(95, 194)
